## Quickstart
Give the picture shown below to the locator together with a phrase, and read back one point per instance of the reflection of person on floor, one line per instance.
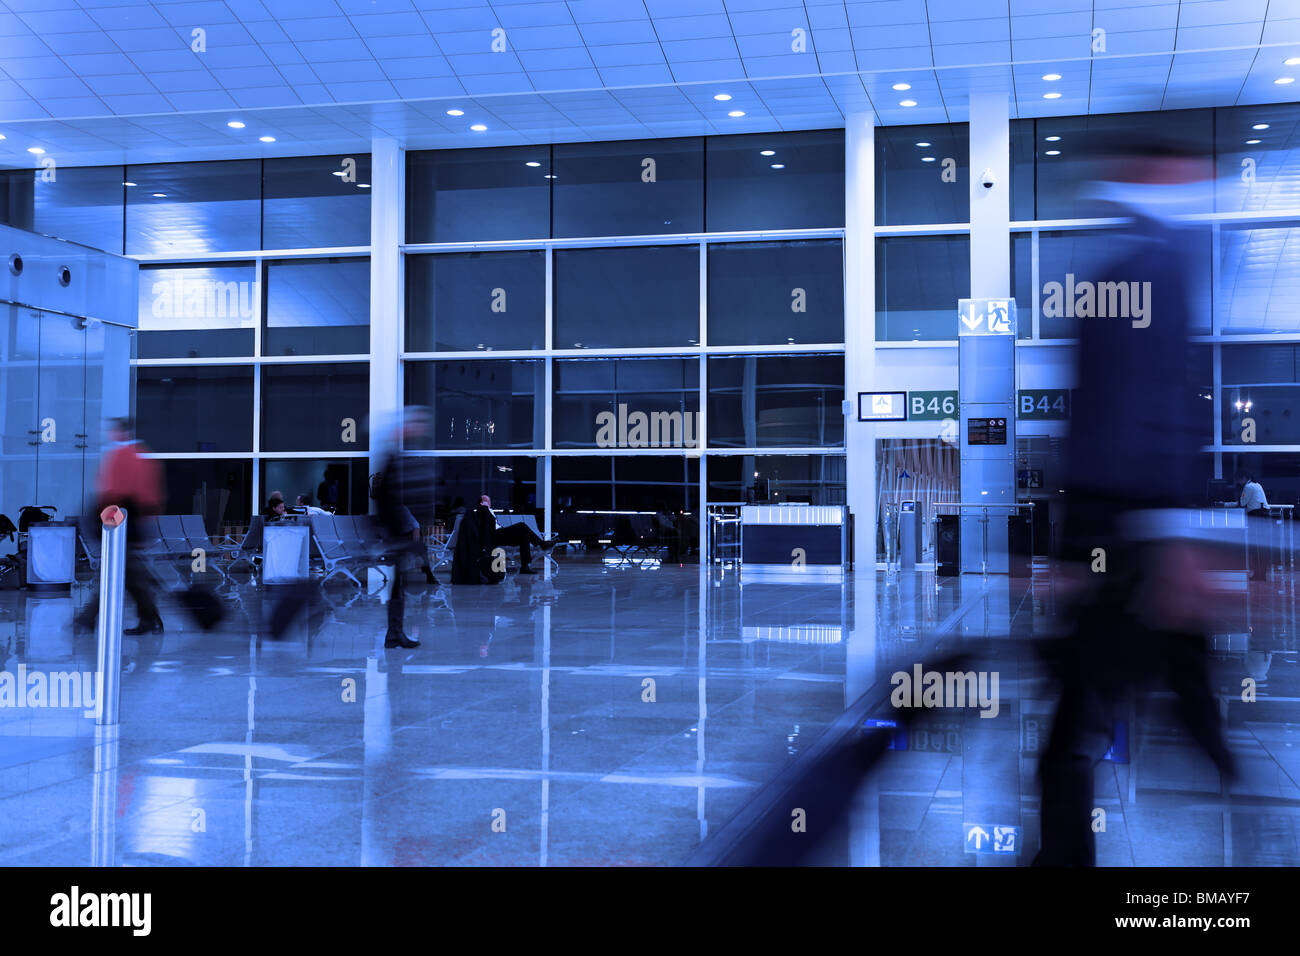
(131, 481)
(1252, 501)
(406, 490)
(1140, 599)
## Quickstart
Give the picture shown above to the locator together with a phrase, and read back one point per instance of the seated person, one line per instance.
(306, 507)
(515, 535)
(274, 509)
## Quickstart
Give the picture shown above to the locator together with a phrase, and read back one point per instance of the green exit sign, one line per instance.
(1043, 404)
(931, 406)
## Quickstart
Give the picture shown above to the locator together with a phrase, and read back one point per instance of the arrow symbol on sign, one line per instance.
(973, 320)
(979, 833)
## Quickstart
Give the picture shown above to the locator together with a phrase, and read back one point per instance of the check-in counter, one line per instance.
(799, 539)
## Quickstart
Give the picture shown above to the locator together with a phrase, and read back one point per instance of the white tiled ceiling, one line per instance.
(117, 80)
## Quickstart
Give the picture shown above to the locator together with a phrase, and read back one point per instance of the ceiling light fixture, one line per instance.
(35, 149)
(1284, 80)
(363, 185)
(902, 86)
(1260, 126)
(159, 195)
(927, 159)
(778, 165)
(1291, 61)
(923, 145)
(722, 97)
(455, 112)
(266, 139)
(478, 127)
(736, 113)
(533, 163)
(1053, 152)
(767, 152)
(1252, 142)
(1051, 77)
(1051, 96)
(907, 102)
(235, 124)
(1053, 139)
(128, 184)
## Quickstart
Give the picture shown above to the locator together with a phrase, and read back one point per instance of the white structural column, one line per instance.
(860, 330)
(990, 207)
(387, 223)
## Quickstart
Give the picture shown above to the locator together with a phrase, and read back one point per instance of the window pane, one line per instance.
(774, 293)
(317, 307)
(799, 185)
(315, 407)
(477, 195)
(1259, 364)
(586, 388)
(794, 479)
(80, 204)
(758, 401)
(195, 409)
(341, 485)
(1259, 279)
(918, 282)
(1085, 139)
(487, 300)
(634, 188)
(306, 206)
(186, 208)
(922, 175)
(634, 297)
(642, 483)
(216, 488)
(511, 483)
(1022, 281)
(480, 404)
(1275, 410)
(197, 311)
(1279, 474)
(1257, 167)
(1022, 170)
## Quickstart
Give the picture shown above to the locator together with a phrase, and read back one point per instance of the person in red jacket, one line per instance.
(131, 481)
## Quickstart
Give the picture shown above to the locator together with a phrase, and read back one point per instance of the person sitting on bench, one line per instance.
(515, 535)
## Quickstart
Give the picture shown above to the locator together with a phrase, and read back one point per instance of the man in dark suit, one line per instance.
(405, 492)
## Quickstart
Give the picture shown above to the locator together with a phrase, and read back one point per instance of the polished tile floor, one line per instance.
(598, 717)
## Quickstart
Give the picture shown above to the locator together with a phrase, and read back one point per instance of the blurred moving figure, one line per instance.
(1139, 589)
(1251, 499)
(405, 490)
(131, 481)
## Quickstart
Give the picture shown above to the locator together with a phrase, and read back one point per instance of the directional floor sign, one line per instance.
(882, 406)
(991, 838)
(986, 317)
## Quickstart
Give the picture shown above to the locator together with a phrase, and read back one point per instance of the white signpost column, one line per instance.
(986, 373)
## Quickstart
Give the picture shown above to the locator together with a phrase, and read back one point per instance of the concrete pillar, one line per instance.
(860, 330)
(387, 231)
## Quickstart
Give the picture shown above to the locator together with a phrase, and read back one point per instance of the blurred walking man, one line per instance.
(131, 481)
(405, 501)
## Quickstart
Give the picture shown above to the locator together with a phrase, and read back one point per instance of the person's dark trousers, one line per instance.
(1258, 534)
(402, 556)
(138, 582)
(520, 536)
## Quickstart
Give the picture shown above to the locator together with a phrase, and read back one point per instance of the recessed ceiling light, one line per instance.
(266, 139)
(128, 184)
(478, 127)
(907, 102)
(533, 163)
(2, 136)
(722, 97)
(550, 175)
(1291, 61)
(1284, 80)
(778, 165)
(767, 152)
(1053, 139)
(35, 149)
(1051, 77)
(159, 195)
(923, 145)
(235, 124)
(363, 185)
(1051, 96)
(927, 159)
(455, 112)
(338, 172)
(1053, 152)
(1260, 126)
(902, 86)
(735, 113)
(1252, 142)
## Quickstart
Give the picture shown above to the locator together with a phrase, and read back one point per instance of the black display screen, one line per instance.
(986, 431)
